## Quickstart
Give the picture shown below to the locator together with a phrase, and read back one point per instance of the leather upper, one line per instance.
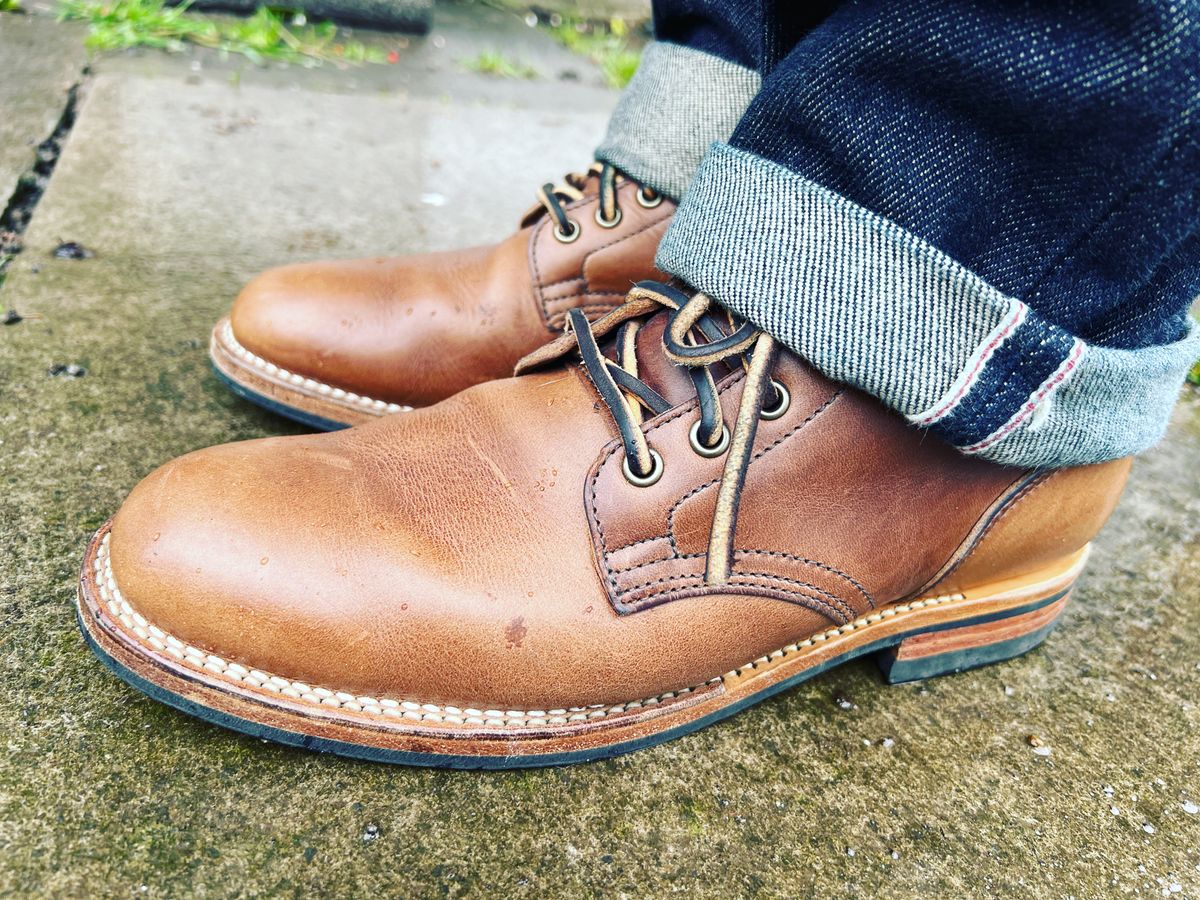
(415, 330)
(489, 550)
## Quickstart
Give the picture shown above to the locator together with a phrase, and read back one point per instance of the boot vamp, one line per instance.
(410, 330)
(445, 555)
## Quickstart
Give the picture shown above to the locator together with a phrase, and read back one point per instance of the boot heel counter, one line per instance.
(1051, 518)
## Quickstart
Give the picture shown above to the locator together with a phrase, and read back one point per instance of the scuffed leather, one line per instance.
(595, 272)
(415, 330)
(839, 490)
(487, 550)
(1051, 516)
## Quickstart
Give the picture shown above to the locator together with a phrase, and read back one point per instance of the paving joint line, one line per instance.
(21, 205)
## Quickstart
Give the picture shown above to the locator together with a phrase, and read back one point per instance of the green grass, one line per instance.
(264, 36)
(492, 62)
(609, 45)
(10, 5)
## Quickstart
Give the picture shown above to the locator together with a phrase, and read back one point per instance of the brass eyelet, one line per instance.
(607, 223)
(568, 237)
(648, 479)
(648, 202)
(785, 400)
(721, 446)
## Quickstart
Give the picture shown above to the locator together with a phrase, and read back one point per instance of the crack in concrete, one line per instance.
(19, 209)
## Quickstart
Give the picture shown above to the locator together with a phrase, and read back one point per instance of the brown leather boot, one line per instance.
(580, 561)
(340, 343)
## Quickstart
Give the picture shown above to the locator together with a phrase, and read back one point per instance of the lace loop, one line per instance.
(553, 198)
(698, 339)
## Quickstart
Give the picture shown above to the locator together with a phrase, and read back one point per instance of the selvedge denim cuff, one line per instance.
(873, 305)
(678, 103)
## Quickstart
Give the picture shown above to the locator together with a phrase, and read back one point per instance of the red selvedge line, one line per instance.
(1047, 386)
(1016, 318)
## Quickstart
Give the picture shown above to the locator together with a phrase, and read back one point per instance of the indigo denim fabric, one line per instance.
(696, 81)
(985, 213)
(751, 34)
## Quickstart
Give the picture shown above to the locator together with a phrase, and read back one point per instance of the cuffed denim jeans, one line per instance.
(984, 213)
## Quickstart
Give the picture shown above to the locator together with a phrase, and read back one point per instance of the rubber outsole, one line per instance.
(275, 406)
(993, 635)
(303, 399)
(440, 760)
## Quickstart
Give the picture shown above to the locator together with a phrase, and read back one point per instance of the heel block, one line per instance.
(949, 650)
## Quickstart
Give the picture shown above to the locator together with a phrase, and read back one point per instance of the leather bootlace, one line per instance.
(552, 197)
(699, 337)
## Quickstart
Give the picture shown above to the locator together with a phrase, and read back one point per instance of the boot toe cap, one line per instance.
(285, 315)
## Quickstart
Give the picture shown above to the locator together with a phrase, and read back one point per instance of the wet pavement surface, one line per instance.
(1072, 772)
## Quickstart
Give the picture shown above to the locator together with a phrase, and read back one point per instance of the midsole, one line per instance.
(256, 695)
(275, 382)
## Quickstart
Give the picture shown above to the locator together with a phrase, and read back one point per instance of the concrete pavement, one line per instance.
(184, 176)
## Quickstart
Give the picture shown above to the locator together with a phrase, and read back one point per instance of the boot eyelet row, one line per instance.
(607, 223)
(650, 477)
(647, 200)
(568, 237)
(781, 407)
(709, 452)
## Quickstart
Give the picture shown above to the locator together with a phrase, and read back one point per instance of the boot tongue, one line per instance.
(655, 369)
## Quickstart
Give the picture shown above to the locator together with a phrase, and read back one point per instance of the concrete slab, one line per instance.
(436, 65)
(184, 185)
(39, 61)
(241, 178)
(252, 166)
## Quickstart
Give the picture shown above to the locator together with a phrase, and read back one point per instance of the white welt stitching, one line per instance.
(378, 407)
(413, 710)
(418, 711)
(820, 638)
